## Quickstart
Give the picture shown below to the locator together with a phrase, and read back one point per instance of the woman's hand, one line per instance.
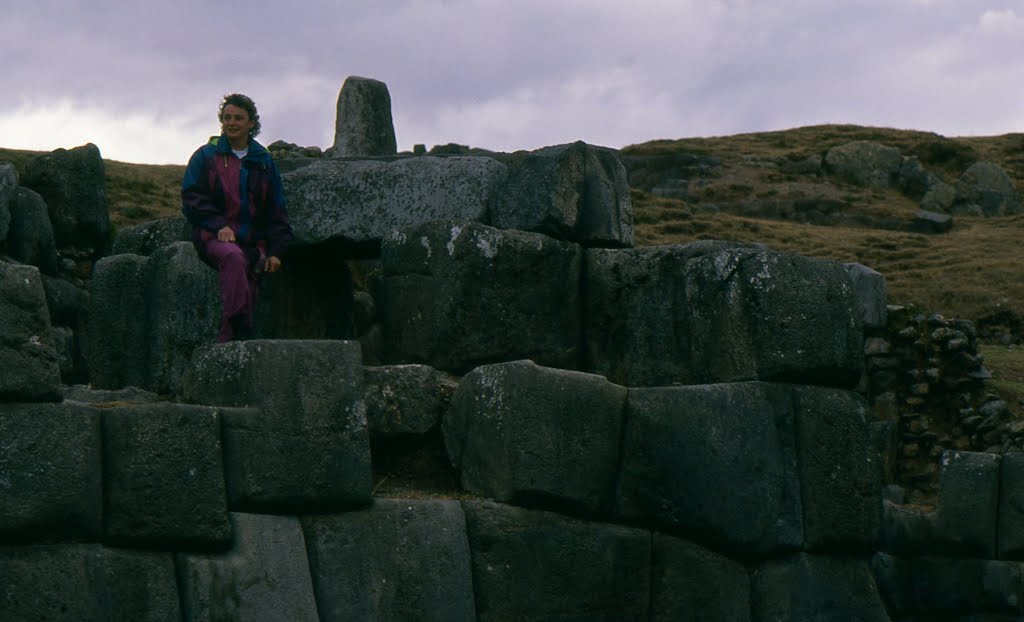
(226, 235)
(271, 264)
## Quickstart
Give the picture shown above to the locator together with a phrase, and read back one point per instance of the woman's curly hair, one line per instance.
(244, 102)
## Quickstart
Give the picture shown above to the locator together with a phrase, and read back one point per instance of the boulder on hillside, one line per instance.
(574, 192)
(720, 312)
(265, 576)
(303, 445)
(29, 365)
(400, 559)
(30, 239)
(73, 186)
(524, 434)
(865, 163)
(939, 198)
(52, 470)
(913, 179)
(931, 222)
(8, 184)
(359, 202)
(363, 126)
(87, 582)
(457, 295)
(148, 237)
(986, 190)
(813, 587)
(535, 565)
(732, 455)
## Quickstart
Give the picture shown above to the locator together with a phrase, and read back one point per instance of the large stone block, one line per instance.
(870, 290)
(73, 185)
(455, 296)
(29, 364)
(942, 586)
(405, 399)
(574, 192)
(774, 316)
(65, 302)
(304, 445)
(50, 473)
(265, 576)
(148, 237)
(985, 189)
(691, 584)
(164, 477)
(363, 126)
(401, 559)
(968, 509)
(86, 582)
(718, 462)
(812, 587)
(865, 163)
(637, 326)
(840, 474)
(1011, 507)
(182, 313)
(720, 312)
(147, 315)
(30, 240)
(8, 184)
(526, 434)
(359, 202)
(115, 330)
(535, 565)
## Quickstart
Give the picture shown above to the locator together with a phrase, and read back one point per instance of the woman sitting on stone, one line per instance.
(233, 198)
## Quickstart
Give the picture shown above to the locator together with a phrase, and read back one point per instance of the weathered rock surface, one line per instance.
(720, 312)
(527, 566)
(64, 301)
(164, 478)
(30, 239)
(985, 189)
(939, 586)
(405, 399)
(1011, 507)
(50, 473)
(457, 295)
(147, 315)
(574, 192)
(29, 364)
(870, 290)
(8, 185)
(865, 163)
(732, 454)
(527, 434)
(73, 185)
(303, 444)
(691, 583)
(148, 237)
(265, 576)
(87, 582)
(360, 202)
(968, 508)
(401, 559)
(812, 587)
(363, 126)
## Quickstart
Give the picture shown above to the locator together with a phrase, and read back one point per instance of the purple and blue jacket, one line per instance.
(220, 190)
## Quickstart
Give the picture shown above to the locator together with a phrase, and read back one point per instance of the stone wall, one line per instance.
(665, 433)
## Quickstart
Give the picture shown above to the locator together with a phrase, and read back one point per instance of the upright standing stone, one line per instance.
(363, 126)
(29, 366)
(30, 239)
(8, 183)
(73, 185)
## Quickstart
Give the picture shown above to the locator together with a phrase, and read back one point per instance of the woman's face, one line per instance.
(235, 123)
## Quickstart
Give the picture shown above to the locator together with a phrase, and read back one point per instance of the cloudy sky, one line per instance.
(142, 79)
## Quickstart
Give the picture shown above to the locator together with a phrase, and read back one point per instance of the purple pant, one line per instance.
(237, 285)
